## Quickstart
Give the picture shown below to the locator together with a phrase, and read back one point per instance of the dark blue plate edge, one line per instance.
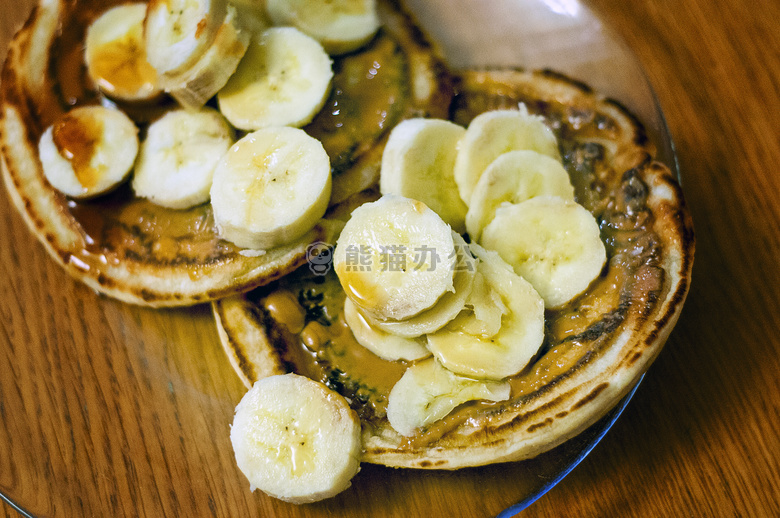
(615, 413)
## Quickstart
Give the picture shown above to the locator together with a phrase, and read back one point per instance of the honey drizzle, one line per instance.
(122, 68)
(76, 139)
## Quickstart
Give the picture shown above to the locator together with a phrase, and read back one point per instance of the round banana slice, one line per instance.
(385, 345)
(428, 392)
(176, 163)
(283, 80)
(115, 54)
(553, 243)
(252, 15)
(198, 83)
(178, 32)
(395, 258)
(418, 162)
(514, 177)
(483, 311)
(295, 439)
(88, 151)
(341, 26)
(270, 188)
(492, 134)
(446, 308)
(518, 339)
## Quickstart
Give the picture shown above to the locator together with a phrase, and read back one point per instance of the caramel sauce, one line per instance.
(284, 308)
(555, 363)
(599, 300)
(122, 68)
(68, 67)
(315, 336)
(464, 414)
(362, 363)
(76, 138)
(202, 24)
(367, 294)
(339, 352)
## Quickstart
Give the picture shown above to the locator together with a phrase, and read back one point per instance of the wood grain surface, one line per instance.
(108, 409)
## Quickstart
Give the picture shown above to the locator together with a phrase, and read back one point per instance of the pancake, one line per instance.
(141, 253)
(595, 348)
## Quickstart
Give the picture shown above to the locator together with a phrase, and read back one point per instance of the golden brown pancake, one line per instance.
(138, 252)
(595, 348)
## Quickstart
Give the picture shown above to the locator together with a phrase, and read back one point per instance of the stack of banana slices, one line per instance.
(196, 155)
(192, 51)
(478, 310)
(463, 318)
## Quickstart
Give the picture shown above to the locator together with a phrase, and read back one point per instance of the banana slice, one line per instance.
(341, 26)
(385, 345)
(88, 151)
(514, 177)
(484, 310)
(553, 243)
(428, 392)
(418, 162)
(270, 188)
(176, 164)
(283, 80)
(492, 134)
(200, 82)
(252, 15)
(395, 258)
(518, 339)
(295, 439)
(178, 32)
(115, 54)
(446, 308)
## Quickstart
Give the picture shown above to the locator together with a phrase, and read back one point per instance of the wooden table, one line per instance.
(95, 394)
